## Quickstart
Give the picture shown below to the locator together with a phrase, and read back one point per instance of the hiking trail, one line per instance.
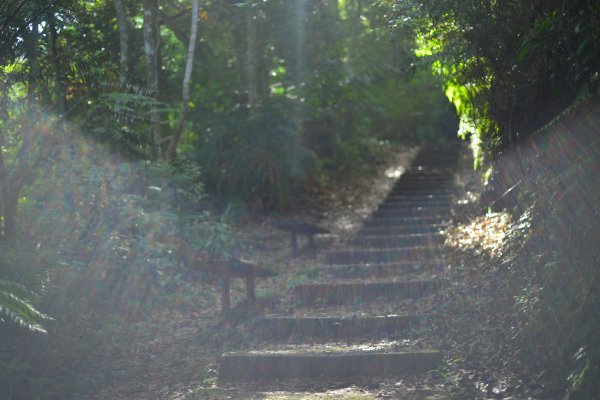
(361, 317)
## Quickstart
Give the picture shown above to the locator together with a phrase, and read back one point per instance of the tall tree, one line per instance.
(252, 59)
(57, 64)
(187, 81)
(355, 18)
(151, 51)
(6, 215)
(123, 41)
(23, 149)
(31, 39)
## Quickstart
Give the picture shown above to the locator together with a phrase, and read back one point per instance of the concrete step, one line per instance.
(396, 241)
(415, 178)
(413, 172)
(261, 367)
(379, 270)
(431, 181)
(409, 177)
(423, 183)
(405, 221)
(442, 167)
(411, 204)
(360, 292)
(409, 187)
(418, 198)
(403, 212)
(401, 230)
(420, 191)
(428, 159)
(295, 329)
(419, 183)
(379, 255)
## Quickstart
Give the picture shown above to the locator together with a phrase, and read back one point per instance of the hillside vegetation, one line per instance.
(141, 142)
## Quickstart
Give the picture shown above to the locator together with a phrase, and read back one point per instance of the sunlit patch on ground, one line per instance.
(429, 387)
(484, 235)
(341, 394)
(348, 207)
(394, 172)
(379, 346)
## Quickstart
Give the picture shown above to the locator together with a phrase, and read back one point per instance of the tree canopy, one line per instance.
(147, 130)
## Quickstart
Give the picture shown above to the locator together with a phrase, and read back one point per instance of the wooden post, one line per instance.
(225, 300)
(294, 243)
(297, 228)
(250, 295)
(238, 268)
(311, 242)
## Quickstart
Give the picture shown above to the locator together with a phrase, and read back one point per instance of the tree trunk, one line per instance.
(300, 14)
(123, 42)
(31, 51)
(252, 61)
(300, 11)
(187, 81)
(3, 185)
(239, 44)
(151, 47)
(9, 200)
(9, 214)
(354, 32)
(60, 86)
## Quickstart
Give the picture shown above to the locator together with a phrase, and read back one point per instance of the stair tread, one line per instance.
(245, 367)
(375, 281)
(397, 254)
(340, 315)
(364, 292)
(341, 348)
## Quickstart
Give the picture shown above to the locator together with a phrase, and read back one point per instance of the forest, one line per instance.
(145, 144)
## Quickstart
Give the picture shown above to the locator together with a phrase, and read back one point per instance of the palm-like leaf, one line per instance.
(15, 307)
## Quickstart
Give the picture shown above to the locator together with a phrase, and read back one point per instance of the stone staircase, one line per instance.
(354, 321)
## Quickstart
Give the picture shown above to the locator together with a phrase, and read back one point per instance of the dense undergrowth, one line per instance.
(102, 235)
(118, 251)
(558, 267)
(109, 243)
(537, 265)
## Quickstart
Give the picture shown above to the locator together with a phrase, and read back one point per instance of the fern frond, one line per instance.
(17, 290)
(16, 308)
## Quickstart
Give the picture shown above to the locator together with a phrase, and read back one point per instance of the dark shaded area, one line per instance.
(558, 267)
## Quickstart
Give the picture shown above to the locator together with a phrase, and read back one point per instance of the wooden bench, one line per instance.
(238, 268)
(296, 228)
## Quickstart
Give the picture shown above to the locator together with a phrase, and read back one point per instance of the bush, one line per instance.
(258, 160)
(137, 238)
(556, 279)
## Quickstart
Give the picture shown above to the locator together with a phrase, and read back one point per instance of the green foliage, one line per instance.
(556, 277)
(256, 160)
(113, 231)
(122, 119)
(16, 307)
(509, 68)
(138, 232)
